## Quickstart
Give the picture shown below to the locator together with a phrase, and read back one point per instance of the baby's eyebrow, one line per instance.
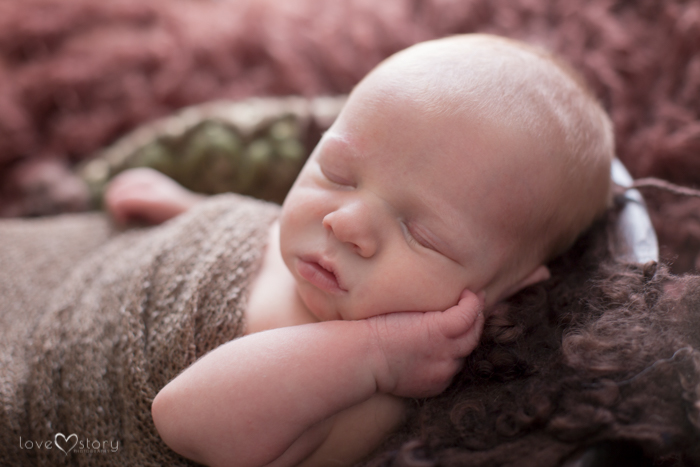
(335, 139)
(341, 145)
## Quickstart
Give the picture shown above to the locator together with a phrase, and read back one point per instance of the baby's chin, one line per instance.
(327, 308)
(317, 305)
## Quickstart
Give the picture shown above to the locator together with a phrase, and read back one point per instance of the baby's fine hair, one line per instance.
(529, 90)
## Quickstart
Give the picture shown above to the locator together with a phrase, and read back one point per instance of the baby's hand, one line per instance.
(416, 354)
(147, 195)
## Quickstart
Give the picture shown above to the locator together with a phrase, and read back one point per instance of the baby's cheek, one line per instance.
(417, 287)
(302, 202)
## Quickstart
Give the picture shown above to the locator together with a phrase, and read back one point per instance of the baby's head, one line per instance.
(466, 162)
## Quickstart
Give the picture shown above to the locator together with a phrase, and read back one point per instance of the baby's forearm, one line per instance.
(248, 401)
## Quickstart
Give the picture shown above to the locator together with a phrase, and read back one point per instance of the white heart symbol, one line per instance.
(55, 441)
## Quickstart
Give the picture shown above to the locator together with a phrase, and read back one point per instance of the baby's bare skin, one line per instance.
(421, 206)
(273, 303)
(146, 195)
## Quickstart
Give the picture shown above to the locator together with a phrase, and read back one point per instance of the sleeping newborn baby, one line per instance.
(457, 169)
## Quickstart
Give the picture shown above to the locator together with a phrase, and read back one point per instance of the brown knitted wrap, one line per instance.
(87, 350)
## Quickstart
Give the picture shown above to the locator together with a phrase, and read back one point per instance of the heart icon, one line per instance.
(65, 440)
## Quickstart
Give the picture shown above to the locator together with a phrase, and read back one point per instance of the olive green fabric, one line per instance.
(254, 147)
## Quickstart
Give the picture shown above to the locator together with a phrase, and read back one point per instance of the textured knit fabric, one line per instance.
(94, 323)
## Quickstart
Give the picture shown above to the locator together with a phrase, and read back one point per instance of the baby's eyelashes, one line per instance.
(334, 176)
(414, 237)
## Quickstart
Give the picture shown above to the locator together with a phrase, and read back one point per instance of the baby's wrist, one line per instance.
(379, 365)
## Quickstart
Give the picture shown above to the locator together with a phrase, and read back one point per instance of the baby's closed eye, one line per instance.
(415, 237)
(335, 177)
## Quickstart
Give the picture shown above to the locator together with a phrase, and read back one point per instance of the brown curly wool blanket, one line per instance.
(597, 367)
(93, 324)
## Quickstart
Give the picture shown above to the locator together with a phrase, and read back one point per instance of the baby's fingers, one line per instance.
(462, 317)
(468, 342)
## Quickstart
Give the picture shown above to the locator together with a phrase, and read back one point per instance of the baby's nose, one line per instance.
(353, 224)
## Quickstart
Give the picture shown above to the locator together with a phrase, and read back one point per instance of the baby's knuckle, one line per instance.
(467, 346)
(466, 320)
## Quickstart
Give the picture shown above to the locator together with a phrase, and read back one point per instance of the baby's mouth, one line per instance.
(321, 275)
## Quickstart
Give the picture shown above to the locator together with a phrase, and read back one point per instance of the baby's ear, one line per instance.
(539, 274)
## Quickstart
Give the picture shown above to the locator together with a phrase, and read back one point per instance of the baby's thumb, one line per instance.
(459, 319)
